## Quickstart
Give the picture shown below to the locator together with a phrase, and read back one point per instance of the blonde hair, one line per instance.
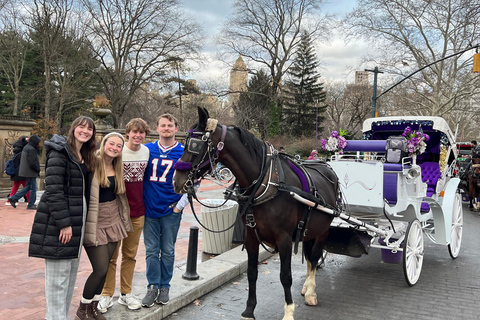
(117, 166)
(169, 117)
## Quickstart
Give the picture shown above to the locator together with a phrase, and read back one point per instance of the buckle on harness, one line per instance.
(250, 220)
(301, 224)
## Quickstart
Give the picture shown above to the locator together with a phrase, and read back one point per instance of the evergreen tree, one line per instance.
(303, 92)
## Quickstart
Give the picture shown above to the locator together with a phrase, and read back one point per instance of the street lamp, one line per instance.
(476, 69)
(374, 97)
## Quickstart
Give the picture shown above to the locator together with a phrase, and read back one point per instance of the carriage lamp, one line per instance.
(413, 172)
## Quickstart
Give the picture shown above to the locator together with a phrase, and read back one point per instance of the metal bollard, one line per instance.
(191, 272)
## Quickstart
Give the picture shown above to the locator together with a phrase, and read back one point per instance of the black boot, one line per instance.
(97, 315)
(84, 311)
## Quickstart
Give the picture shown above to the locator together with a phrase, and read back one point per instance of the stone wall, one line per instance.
(11, 128)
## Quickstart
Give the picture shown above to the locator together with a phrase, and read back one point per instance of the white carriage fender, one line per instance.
(443, 230)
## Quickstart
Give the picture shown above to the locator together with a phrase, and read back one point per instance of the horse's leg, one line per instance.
(252, 246)
(285, 252)
(309, 286)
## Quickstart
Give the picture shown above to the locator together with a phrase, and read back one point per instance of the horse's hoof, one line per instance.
(244, 318)
(311, 300)
(304, 290)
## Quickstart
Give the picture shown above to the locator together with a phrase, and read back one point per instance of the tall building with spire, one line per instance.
(238, 81)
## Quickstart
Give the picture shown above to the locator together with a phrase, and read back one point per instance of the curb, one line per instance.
(213, 273)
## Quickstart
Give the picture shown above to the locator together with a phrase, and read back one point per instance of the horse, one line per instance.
(272, 216)
(473, 183)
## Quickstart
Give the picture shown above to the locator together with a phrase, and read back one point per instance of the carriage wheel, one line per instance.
(457, 228)
(413, 250)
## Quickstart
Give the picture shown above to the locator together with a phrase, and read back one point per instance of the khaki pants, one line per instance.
(129, 251)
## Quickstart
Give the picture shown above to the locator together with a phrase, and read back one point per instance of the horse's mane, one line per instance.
(252, 143)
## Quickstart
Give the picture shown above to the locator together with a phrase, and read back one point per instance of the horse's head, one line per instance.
(200, 154)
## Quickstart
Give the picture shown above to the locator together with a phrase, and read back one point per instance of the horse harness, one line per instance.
(265, 188)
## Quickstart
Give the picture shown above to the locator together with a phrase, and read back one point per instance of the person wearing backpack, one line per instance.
(30, 169)
(18, 180)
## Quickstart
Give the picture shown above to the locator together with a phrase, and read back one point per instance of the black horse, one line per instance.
(273, 217)
(473, 171)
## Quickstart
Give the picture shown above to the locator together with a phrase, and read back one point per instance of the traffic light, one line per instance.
(476, 63)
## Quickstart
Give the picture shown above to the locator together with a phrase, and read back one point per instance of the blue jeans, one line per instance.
(32, 187)
(160, 235)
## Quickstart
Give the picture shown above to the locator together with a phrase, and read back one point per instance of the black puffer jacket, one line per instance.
(61, 205)
(29, 163)
(17, 148)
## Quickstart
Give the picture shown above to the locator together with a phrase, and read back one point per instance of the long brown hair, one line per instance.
(117, 166)
(87, 152)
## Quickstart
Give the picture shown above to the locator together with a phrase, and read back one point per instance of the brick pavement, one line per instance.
(360, 288)
(22, 278)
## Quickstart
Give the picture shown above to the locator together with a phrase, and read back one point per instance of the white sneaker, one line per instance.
(130, 301)
(7, 203)
(105, 303)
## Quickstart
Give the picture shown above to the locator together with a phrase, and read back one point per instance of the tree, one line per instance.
(413, 34)
(348, 105)
(253, 108)
(48, 23)
(13, 50)
(268, 31)
(134, 41)
(304, 93)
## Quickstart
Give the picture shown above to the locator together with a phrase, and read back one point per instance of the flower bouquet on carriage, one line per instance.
(336, 142)
(416, 142)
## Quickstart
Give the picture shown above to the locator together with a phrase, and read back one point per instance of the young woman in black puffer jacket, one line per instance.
(58, 227)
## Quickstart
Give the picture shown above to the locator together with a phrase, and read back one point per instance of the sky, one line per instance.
(337, 58)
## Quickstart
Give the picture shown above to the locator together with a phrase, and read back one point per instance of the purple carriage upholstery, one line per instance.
(430, 175)
(390, 179)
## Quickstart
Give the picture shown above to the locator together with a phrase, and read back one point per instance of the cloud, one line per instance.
(338, 60)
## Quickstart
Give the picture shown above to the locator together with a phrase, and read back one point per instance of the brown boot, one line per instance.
(97, 315)
(84, 312)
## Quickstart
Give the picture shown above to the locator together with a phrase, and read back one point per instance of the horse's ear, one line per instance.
(202, 118)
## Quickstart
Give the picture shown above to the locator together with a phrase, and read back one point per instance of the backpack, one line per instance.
(10, 168)
(396, 149)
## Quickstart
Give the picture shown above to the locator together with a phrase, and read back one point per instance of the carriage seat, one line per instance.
(390, 180)
(430, 175)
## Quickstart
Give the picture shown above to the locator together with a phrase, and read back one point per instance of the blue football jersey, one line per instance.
(158, 192)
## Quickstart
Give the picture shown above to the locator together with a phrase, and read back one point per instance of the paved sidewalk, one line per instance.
(22, 279)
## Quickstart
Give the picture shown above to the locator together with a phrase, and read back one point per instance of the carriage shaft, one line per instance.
(343, 216)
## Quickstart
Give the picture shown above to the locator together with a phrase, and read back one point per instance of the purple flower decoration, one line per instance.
(416, 140)
(336, 142)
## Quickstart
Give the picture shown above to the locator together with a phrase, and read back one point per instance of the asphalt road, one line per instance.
(361, 288)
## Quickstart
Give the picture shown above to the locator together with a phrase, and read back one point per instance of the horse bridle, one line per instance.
(201, 146)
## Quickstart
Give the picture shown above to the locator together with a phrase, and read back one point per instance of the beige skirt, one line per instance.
(110, 227)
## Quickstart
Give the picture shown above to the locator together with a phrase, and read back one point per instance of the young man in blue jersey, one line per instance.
(163, 211)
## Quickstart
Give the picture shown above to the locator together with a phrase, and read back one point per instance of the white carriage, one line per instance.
(397, 203)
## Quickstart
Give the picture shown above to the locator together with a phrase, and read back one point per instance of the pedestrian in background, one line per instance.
(58, 227)
(17, 180)
(163, 211)
(108, 220)
(135, 158)
(29, 169)
(313, 155)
